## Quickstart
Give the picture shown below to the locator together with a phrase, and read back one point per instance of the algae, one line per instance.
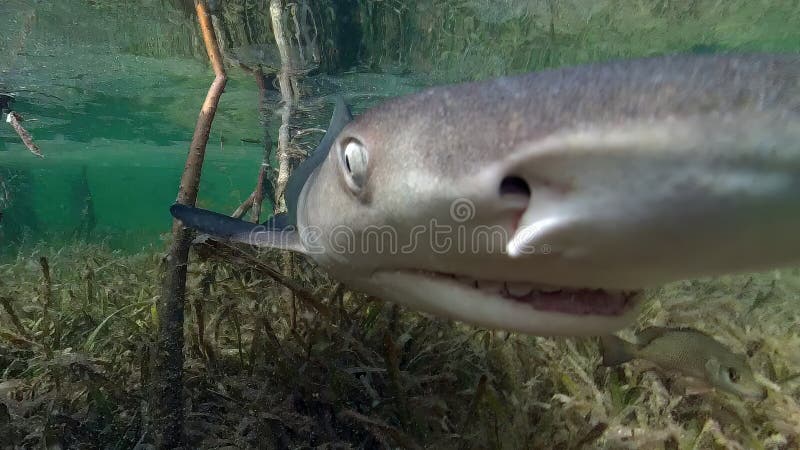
(355, 372)
(77, 321)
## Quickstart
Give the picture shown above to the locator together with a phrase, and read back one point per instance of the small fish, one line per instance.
(688, 352)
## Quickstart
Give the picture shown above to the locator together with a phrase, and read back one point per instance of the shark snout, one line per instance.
(663, 202)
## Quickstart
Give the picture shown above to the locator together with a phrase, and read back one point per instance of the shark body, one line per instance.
(545, 203)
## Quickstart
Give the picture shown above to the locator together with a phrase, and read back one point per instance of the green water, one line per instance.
(111, 90)
(115, 128)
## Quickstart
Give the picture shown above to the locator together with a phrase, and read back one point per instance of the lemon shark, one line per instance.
(546, 203)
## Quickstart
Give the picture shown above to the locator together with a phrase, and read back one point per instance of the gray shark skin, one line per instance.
(545, 203)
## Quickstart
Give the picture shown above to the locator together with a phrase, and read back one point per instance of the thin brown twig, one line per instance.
(244, 207)
(258, 194)
(263, 171)
(15, 120)
(207, 280)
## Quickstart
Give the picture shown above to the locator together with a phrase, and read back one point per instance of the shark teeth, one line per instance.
(467, 280)
(579, 301)
(490, 287)
(506, 288)
(518, 289)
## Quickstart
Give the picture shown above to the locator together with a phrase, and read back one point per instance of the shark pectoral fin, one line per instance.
(278, 221)
(235, 230)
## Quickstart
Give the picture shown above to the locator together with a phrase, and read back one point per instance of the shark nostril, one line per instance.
(514, 185)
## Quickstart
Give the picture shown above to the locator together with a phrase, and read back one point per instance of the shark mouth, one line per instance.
(541, 297)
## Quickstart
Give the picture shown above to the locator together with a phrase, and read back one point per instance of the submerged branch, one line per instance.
(168, 370)
(287, 97)
(15, 120)
(258, 194)
(244, 207)
(263, 171)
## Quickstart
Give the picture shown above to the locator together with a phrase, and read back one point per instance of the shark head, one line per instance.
(546, 203)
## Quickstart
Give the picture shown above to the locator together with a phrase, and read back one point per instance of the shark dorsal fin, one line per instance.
(341, 116)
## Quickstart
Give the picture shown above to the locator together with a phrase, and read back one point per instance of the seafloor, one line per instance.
(111, 91)
(355, 372)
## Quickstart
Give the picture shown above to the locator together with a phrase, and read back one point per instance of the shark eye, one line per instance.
(733, 375)
(354, 163)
